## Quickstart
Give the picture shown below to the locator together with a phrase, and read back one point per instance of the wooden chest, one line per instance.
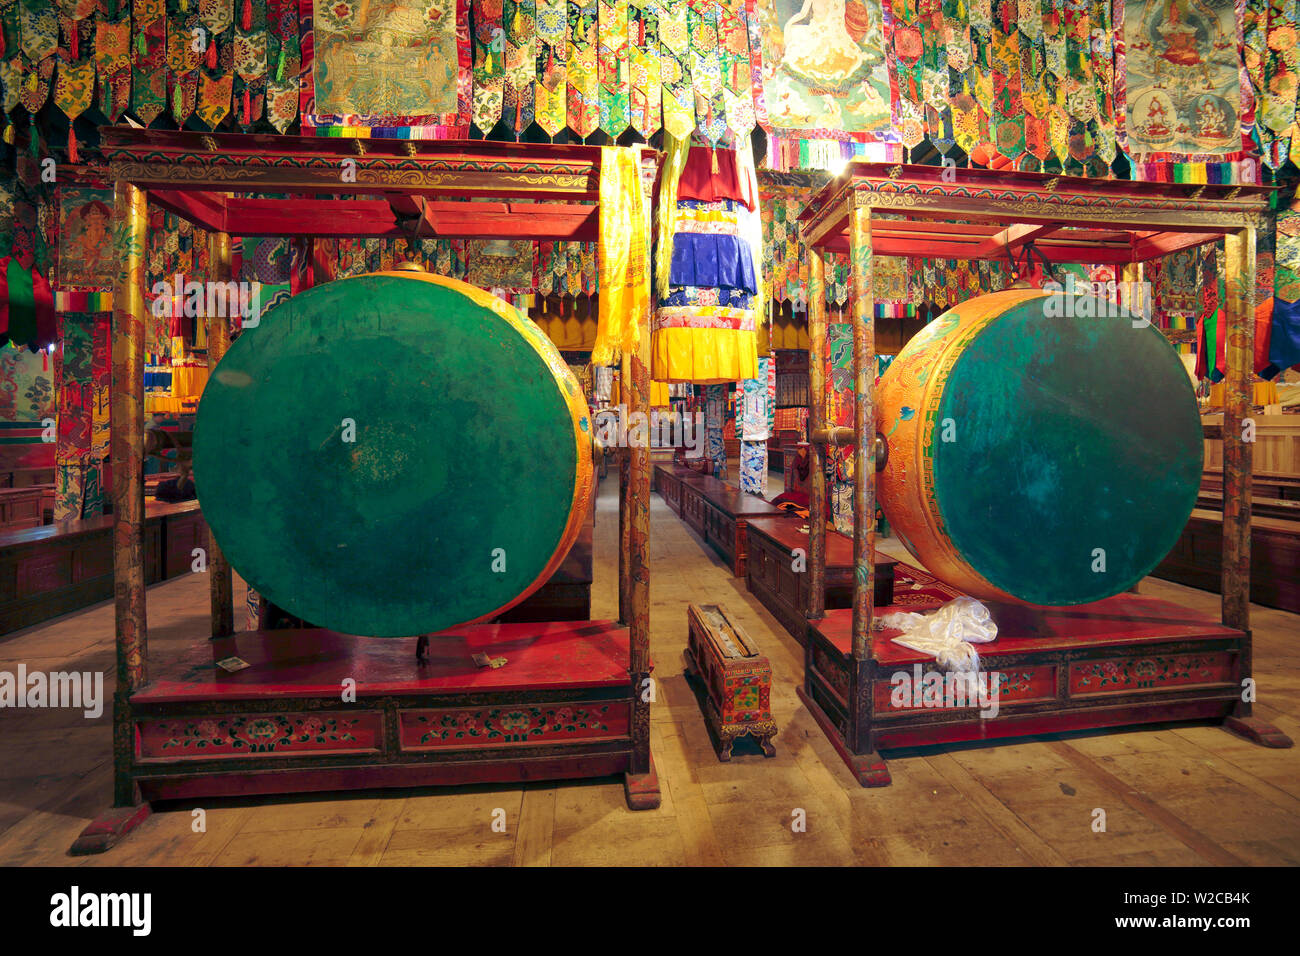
(731, 679)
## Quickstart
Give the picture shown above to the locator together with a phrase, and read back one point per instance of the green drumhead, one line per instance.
(387, 456)
(1076, 452)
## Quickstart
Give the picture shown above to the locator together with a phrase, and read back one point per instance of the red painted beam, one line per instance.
(320, 218)
(1013, 237)
(546, 222)
(1152, 246)
(204, 209)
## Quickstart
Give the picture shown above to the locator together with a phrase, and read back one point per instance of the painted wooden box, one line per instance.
(731, 679)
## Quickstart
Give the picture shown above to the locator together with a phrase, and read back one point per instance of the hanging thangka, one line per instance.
(1182, 77)
(824, 67)
(715, 421)
(839, 411)
(502, 264)
(755, 398)
(86, 258)
(396, 59)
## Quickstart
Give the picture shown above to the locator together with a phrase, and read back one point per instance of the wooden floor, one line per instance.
(1191, 795)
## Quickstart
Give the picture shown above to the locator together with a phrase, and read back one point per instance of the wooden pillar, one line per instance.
(625, 503)
(864, 428)
(221, 588)
(126, 417)
(816, 422)
(638, 552)
(1239, 354)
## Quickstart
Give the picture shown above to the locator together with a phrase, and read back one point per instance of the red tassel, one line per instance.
(248, 107)
(72, 46)
(212, 54)
(248, 15)
(72, 143)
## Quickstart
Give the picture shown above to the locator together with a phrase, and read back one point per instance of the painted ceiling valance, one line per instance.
(1042, 84)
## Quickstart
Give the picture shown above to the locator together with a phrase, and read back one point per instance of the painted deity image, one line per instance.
(386, 57)
(1182, 73)
(824, 65)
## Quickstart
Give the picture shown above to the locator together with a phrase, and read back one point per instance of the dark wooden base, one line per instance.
(870, 769)
(642, 789)
(108, 829)
(1258, 731)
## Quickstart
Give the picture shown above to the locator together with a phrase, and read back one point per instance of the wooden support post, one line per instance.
(816, 422)
(1239, 353)
(625, 503)
(220, 585)
(864, 428)
(641, 783)
(126, 418)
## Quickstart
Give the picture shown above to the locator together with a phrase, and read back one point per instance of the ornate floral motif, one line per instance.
(513, 725)
(253, 734)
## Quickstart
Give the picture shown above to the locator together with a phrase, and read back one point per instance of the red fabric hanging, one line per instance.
(4, 298)
(709, 175)
(46, 325)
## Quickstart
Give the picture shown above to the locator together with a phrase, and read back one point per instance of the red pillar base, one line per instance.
(1257, 731)
(869, 769)
(642, 789)
(108, 829)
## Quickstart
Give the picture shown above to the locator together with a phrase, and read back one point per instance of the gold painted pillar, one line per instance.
(1131, 297)
(221, 588)
(126, 455)
(126, 444)
(816, 422)
(1239, 355)
(864, 427)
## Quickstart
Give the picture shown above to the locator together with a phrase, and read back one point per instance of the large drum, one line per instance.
(1035, 456)
(393, 454)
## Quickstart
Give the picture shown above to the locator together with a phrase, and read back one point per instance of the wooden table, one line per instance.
(57, 568)
(719, 513)
(781, 584)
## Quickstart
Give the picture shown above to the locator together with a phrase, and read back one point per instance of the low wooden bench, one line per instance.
(772, 577)
(719, 513)
(1197, 559)
(668, 482)
(57, 568)
(21, 507)
(1262, 485)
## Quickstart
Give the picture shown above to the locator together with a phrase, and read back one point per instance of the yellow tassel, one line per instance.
(713, 155)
